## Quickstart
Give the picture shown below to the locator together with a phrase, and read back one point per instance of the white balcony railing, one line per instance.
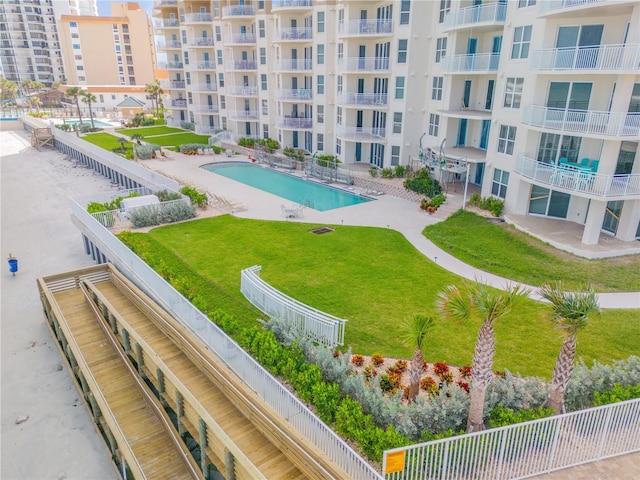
(282, 4)
(204, 87)
(238, 11)
(469, 16)
(206, 130)
(592, 58)
(198, 18)
(561, 4)
(165, 3)
(170, 65)
(366, 27)
(294, 122)
(206, 66)
(242, 91)
(293, 94)
(179, 103)
(172, 84)
(363, 99)
(242, 65)
(243, 114)
(205, 109)
(609, 124)
(169, 45)
(287, 34)
(479, 62)
(200, 42)
(240, 38)
(361, 133)
(167, 23)
(291, 65)
(578, 181)
(363, 64)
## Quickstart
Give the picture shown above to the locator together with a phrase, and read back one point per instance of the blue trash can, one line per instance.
(13, 265)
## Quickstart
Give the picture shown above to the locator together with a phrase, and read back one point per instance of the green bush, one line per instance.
(165, 196)
(422, 182)
(326, 160)
(400, 171)
(619, 393)
(199, 199)
(270, 145)
(176, 212)
(491, 204)
(387, 173)
(144, 216)
(501, 416)
(246, 142)
(145, 152)
(192, 147)
(373, 171)
(187, 125)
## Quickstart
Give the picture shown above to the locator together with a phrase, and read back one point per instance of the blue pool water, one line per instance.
(85, 121)
(304, 192)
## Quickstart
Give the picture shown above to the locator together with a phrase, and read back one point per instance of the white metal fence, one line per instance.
(522, 450)
(311, 323)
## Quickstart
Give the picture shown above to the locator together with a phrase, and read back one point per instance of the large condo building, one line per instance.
(537, 102)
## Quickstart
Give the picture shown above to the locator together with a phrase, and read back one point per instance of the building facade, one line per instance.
(114, 50)
(537, 102)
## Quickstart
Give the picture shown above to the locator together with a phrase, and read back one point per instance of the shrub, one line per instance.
(440, 367)
(187, 125)
(373, 171)
(192, 148)
(165, 196)
(199, 199)
(401, 365)
(491, 204)
(145, 152)
(463, 385)
(501, 416)
(475, 200)
(369, 372)
(400, 171)
(176, 212)
(446, 377)
(357, 360)
(144, 216)
(429, 385)
(619, 393)
(422, 182)
(270, 145)
(386, 173)
(465, 371)
(246, 142)
(377, 359)
(390, 383)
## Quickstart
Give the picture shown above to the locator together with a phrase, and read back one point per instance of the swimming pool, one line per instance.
(304, 192)
(86, 121)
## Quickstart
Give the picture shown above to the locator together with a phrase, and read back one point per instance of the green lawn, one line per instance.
(505, 251)
(178, 139)
(149, 131)
(374, 278)
(105, 140)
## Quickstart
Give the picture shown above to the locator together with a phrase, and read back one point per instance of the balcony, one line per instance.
(165, 3)
(366, 27)
(242, 65)
(205, 109)
(179, 103)
(573, 7)
(166, 23)
(172, 84)
(363, 99)
(205, 66)
(240, 39)
(238, 11)
(200, 42)
(295, 94)
(242, 91)
(293, 35)
(490, 15)
(170, 66)
(205, 130)
(294, 123)
(293, 65)
(593, 59)
(204, 87)
(169, 45)
(584, 122)
(198, 18)
(243, 114)
(361, 134)
(474, 63)
(580, 182)
(291, 5)
(363, 64)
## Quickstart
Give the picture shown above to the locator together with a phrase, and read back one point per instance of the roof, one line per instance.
(131, 102)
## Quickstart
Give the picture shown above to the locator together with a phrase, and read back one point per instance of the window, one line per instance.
(441, 48)
(75, 35)
(265, 130)
(219, 54)
(188, 77)
(113, 97)
(339, 116)
(500, 182)
(320, 114)
(320, 22)
(263, 81)
(397, 122)
(320, 142)
(434, 124)
(101, 98)
(261, 7)
(129, 59)
(405, 10)
(78, 57)
(76, 46)
(261, 29)
(320, 84)
(402, 50)
(338, 146)
(265, 107)
(130, 71)
(506, 139)
(526, 3)
(513, 92)
(82, 79)
(263, 56)
(436, 92)
(218, 35)
(445, 6)
(224, 123)
(320, 54)
(73, 24)
(521, 40)
(395, 155)
(399, 88)
(221, 79)
(339, 84)
(223, 102)
(79, 67)
(132, 80)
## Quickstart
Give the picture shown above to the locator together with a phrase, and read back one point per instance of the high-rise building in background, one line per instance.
(537, 102)
(83, 7)
(114, 50)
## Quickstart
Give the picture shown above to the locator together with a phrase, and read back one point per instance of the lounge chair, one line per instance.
(594, 165)
(584, 162)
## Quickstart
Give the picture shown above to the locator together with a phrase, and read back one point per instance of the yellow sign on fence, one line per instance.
(395, 462)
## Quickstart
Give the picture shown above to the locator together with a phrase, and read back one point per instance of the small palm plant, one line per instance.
(416, 329)
(490, 305)
(570, 312)
(123, 144)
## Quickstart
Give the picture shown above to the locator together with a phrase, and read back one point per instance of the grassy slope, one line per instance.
(376, 279)
(178, 139)
(147, 131)
(503, 250)
(105, 140)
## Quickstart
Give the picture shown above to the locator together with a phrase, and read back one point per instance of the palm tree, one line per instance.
(8, 89)
(75, 92)
(155, 92)
(89, 98)
(480, 300)
(123, 144)
(27, 85)
(571, 312)
(416, 329)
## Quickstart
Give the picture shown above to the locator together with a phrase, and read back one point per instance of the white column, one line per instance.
(629, 220)
(593, 226)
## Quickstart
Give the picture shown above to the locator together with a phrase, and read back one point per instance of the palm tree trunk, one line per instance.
(91, 116)
(562, 373)
(79, 113)
(481, 375)
(415, 374)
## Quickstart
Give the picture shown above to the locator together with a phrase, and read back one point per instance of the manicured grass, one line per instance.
(178, 139)
(148, 131)
(374, 278)
(105, 140)
(505, 251)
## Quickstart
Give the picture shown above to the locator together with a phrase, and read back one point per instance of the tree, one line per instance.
(75, 92)
(8, 89)
(479, 300)
(27, 85)
(155, 92)
(123, 144)
(416, 329)
(89, 98)
(570, 312)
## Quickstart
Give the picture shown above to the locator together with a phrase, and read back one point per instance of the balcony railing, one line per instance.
(165, 3)
(169, 45)
(170, 65)
(198, 18)
(609, 124)
(294, 122)
(361, 133)
(363, 99)
(470, 16)
(366, 27)
(290, 65)
(206, 66)
(200, 42)
(578, 181)
(293, 34)
(205, 109)
(167, 23)
(241, 38)
(242, 91)
(206, 130)
(242, 65)
(592, 58)
(282, 4)
(560, 4)
(293, 94)
(179, 103)
(205, 87)
(478, 62)
(238, 11)
(172, 84)
(243, 114)
(363, 64)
